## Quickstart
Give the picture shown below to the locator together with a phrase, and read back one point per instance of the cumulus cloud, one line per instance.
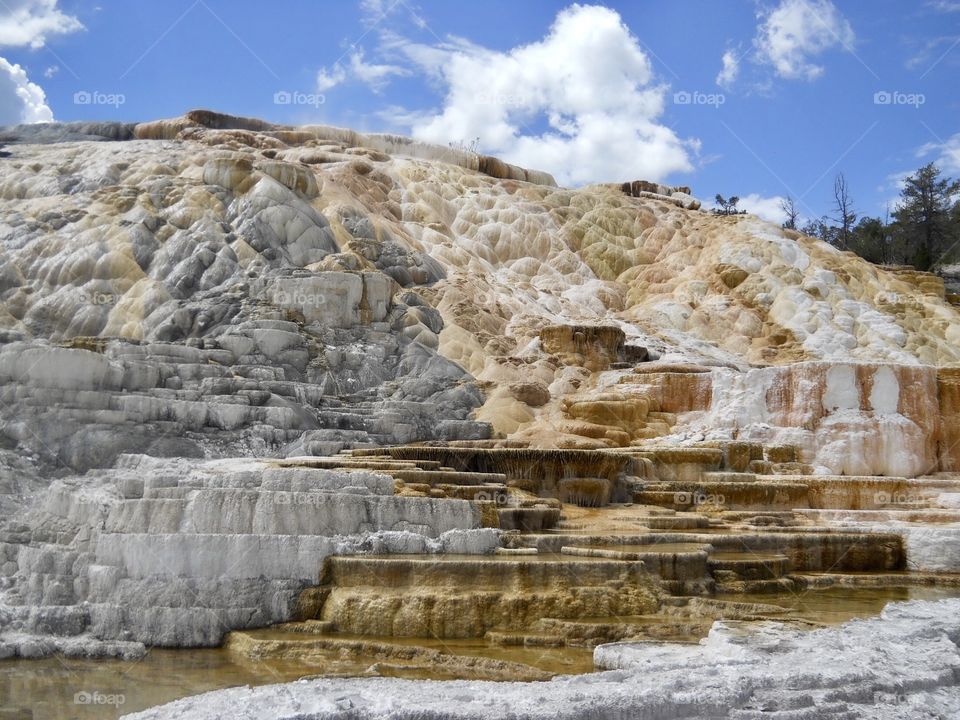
(30, 22)
(374, 75)
(545, 106)
(795, 31)
(730, 70)
(21, 101)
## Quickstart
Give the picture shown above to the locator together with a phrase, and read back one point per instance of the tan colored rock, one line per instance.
(534, 394)
(594, 347)
(948, 385)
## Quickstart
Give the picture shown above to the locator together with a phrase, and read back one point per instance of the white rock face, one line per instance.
(903, 665)
(177, 552)
(931, 549)
(847, 418)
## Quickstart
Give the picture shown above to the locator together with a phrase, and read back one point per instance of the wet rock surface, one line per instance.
(902, 664)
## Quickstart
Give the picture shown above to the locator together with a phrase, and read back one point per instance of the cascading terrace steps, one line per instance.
(760, 565)
(568, 571)
(176, 553)
(547, 417)
(730, 553)
(257, 387)
(462, 597)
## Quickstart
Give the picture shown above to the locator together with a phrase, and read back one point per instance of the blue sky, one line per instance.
(760, 99)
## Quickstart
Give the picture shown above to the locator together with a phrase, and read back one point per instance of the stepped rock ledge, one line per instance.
(299, 377)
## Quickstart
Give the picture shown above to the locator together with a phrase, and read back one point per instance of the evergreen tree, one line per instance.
(726, 207)
(820, 229)
(870, 239)
(925, 218)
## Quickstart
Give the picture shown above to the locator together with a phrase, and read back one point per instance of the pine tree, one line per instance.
(923, 218)
(726, 207)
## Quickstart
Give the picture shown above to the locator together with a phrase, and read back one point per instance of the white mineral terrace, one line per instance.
(301, 423)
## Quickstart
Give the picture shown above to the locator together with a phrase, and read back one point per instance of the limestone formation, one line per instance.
(176, 553)
(343, 399)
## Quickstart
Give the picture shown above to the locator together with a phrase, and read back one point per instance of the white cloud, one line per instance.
(29, 22)
(946, 154)
(21, 101)
(795, 31)
(51, 71)
(327, 79)
(730, 70)
(596, 120)
(374, 75)
(766, 208)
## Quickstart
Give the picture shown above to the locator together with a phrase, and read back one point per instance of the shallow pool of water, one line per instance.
(839, 604)
(73, 689)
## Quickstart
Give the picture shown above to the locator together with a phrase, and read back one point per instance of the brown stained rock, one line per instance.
(534, 394)
(948, 386)
(595, 347)
(585, 492)
(731, 275)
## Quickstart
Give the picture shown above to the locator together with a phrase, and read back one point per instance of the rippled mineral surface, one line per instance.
(319, 417)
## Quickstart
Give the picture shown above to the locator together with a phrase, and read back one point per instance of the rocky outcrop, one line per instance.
(853, 419)
(261, 387)
(194, 230)
(234, 352)
(679, 196)
(594, 347)
(203, 308)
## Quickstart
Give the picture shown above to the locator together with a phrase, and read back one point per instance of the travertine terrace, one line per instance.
(377, 407)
